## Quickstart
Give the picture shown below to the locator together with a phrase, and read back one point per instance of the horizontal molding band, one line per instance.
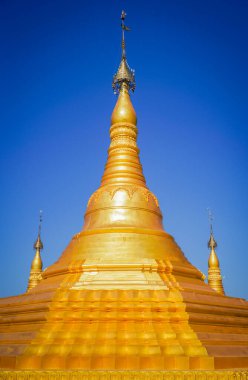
(124, 375)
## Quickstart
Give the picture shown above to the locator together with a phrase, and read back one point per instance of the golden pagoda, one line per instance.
(123, 301)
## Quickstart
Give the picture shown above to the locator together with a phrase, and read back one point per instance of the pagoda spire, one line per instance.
(214, 273)
(123, 198)
(36, 266)
(123, 165)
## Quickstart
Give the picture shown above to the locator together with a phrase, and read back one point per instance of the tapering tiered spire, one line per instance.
(123, 199)
(36, 266)
(123, 165)
(214, 273)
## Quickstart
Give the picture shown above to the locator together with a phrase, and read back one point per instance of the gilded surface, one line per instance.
(122, 301)
(124, 375)
(123, 296)
(36, 267)
(214, 273)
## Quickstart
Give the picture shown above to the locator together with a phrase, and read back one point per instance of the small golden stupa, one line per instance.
(36, 267)
(214, 274)
(122, 301)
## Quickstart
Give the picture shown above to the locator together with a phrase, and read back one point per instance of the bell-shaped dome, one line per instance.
(213, 261)
(124, 111)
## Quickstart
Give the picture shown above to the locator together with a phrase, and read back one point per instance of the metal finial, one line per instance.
(124, 28)
(124, 74)
(123, 15)
(40, 220)
(38, 244)
(211, 243)
(210, 218)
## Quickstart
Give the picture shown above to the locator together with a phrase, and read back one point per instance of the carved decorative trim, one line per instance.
(124, 375)
(130, 190)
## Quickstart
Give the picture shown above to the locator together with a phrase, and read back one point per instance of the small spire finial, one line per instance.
(124, 74)
(40, 219)
(211, 243)
(124, 28)
(38, 243)
(123, 15)
(210, 218)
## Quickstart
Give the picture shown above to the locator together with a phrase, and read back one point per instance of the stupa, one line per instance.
(123, 301)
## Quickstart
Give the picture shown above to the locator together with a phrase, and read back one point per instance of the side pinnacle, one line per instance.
(36, 266)
(214, 272)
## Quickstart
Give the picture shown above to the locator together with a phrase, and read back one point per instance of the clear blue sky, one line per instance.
(57, 62)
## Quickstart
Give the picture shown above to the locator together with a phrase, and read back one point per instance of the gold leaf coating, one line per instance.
(214, 273)
(122, 302)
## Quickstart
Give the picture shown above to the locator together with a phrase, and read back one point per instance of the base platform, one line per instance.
(241, 374)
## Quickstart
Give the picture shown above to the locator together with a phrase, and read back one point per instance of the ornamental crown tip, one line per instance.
(212, 244)
(124, 73)
(38, 243)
